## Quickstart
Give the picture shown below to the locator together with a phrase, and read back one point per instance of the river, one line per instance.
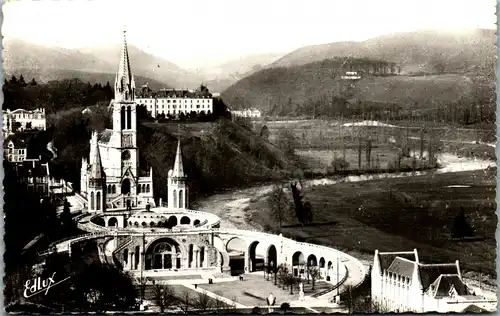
(232, 206)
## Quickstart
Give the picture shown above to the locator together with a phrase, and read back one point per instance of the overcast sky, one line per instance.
(192, 33)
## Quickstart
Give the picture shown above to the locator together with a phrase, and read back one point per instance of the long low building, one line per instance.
(172, 102)
(401, 283)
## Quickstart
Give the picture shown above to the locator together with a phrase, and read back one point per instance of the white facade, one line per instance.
(401, 283)
(15, 150)
(28, 120)
(174, 102)
(125, 185)
(177, 189)
(247, 113)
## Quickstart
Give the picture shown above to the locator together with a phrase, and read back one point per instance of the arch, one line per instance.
(202, 256)
(330, 265)
(92, 200)
(113, 189)
(122, 118)
(144, 224)
(190, 256)
(181, 199)
(137, 257)
(255, 263)
(185, 220)
(298, 258)
(236, 249)
(152, 224)
(172, 221)
(196, 222)
(312, 261)
(112, 222)
(136, 224)
(125, 186)
(98, 200)
(129, 117)
(272, 256)
(322, 262)
(175, 198)
(100, 221)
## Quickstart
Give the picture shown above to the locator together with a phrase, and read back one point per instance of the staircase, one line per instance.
(127, 241)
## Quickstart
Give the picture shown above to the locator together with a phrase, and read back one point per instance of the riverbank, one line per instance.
(364, 213)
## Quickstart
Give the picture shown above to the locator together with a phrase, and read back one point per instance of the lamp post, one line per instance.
(143, 258)
(338, 286)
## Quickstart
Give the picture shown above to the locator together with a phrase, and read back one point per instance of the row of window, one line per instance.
(141, 188)
(19, 151)
(173, 100)
(174, 106)
(28, 116)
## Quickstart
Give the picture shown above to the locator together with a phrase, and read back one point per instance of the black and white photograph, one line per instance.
(249, 157)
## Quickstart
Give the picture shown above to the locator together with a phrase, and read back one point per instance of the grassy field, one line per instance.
(401, 214)
(317, 141)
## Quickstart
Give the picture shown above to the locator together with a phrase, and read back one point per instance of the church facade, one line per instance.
(122, 183)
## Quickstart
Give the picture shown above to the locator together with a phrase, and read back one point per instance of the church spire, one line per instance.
(96, 171)
(178, 168)
(124, 83)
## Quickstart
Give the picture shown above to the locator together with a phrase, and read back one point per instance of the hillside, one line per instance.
(226, 156)
(46, 75)
(316, 89)
(426, 51)
(51, 62)
(219, 77)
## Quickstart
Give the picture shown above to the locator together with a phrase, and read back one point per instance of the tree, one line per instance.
(279, 204)
(303, 211)
(13, 80)
(314, 273)
(286, 142)
(103, 288)
(203, 302)
(285, 306)
(461, 227)
(163, 296)
(368, 151)
(184, 301)
(264, 132)
(33, 82)
(21, 82)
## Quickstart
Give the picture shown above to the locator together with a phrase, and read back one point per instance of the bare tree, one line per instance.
(185, 301)
(203, 302)
(314, 273)
(164, 296)
(279, 204)
(368, 151)
(218, 304)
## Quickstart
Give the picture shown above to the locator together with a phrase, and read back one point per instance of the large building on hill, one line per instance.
(112, 178)
(401, 283)
(172, 102)
(22, 120)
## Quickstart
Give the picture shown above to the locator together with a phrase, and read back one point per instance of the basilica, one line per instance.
(112, 178)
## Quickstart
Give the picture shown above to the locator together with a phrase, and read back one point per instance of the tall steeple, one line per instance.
(178, 167)
(96, 171)
(124, 82)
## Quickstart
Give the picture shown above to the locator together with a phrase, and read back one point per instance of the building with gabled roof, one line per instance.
(15, 148)
(401, 283)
